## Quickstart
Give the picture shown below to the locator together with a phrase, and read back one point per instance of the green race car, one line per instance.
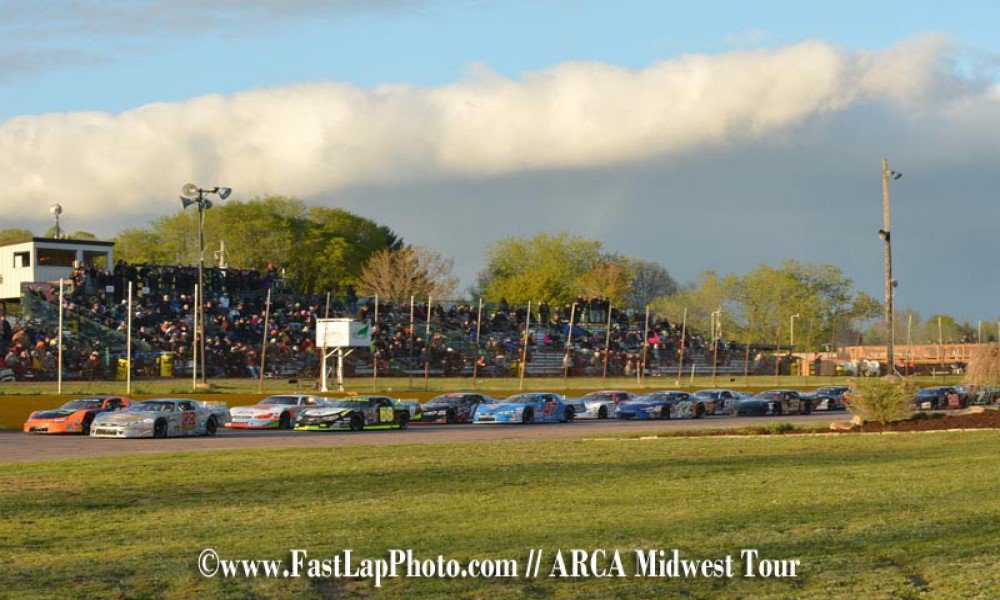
(355, 413)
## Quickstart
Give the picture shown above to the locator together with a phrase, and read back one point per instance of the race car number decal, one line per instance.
(187, 420)
(385, 414)
(550, 408)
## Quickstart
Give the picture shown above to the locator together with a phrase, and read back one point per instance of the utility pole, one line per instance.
(884, 233)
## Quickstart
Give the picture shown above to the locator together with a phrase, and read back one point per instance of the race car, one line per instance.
(162, 417)
(666, 404)
(276, 412)
(453, 408)
(76, 416)
(828, 398)
(355, 413)
(718, 402)
(773, 402)
(526, 408)
(602, 405)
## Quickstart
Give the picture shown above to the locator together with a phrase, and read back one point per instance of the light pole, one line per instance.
(884, 233)
(192, 195)
(56, 210)
(716, 332)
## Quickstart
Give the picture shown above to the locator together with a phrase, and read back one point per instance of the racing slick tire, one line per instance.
(570, 414)
(87, 422)
(404, 420)
(450, 418)
(665, 413)
(211, 426)
(602, 413)
(528, 417)
(285, 422)
(698, 411)
(160, 429)
(807, 407)
(357, 422)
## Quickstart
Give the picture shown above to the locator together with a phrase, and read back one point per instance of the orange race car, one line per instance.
(75, 416)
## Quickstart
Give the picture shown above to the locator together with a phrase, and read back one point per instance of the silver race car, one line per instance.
(162, 417)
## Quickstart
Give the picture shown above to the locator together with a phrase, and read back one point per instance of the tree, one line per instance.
(700, 299)
(7, 235)
(611, 280)
(411, 271)
(320, 249)
(546, 268)
(881, 399)
(650, 280)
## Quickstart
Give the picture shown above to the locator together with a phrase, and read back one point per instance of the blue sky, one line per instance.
(653, 126)
(121, 65)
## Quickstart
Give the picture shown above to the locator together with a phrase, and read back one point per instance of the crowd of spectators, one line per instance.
(234, 305)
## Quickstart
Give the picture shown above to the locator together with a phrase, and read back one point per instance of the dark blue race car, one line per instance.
(658, 405)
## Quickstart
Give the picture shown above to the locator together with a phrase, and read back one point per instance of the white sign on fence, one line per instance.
(343, 333)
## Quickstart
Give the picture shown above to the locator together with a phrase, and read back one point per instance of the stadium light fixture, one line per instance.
(192, 195)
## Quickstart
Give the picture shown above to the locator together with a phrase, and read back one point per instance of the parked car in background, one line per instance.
(162, 417)
(831, 397)
(657, 405)
(76, 416)
(602, 405)
(773, 402)
(454, 408)
(275, 412)
(356, 414)
(536, 407)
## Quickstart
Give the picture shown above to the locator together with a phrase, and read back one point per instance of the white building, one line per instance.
(46, 259)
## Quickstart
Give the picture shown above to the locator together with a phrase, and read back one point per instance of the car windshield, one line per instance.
(522, 399)
(83, 404)
(712, 394)
(767, 396)
(347, 404)
(596, 398)
(281, 400)
(152, 406)
(445, 399)
(664, 396)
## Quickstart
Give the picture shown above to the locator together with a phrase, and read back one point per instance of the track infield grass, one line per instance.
(869, 516)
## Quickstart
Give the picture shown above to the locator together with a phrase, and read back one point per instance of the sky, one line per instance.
(705, 135)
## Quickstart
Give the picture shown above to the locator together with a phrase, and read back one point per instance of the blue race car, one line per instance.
(526, 408)
(657, 405)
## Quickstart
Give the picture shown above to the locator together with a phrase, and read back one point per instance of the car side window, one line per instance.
(186, 406)
(113, 404)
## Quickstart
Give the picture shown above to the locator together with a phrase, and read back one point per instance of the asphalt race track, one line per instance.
(16, 446)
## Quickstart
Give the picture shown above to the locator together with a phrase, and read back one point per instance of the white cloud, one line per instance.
(308, 140)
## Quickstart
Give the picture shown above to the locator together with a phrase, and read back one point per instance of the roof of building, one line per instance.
(25, 240)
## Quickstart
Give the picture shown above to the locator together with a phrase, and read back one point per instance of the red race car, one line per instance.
(75, 416)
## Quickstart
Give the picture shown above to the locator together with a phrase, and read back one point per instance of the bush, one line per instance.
(778, 428)
(882, 399)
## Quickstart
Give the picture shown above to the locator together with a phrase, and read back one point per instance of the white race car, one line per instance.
(160, 418)
(601, 405)
(276, 412)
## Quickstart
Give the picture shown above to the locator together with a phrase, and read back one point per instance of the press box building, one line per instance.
(36, 259)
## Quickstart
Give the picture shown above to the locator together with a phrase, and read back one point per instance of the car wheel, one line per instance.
(87, 422)
(569, 415)
(357, 422)
(211, 426)
(807, 407)
(528, 417)
(285, 422)
(404, 420)
(603, 413)
(450, 418)
(699, 411)
(160, 429)
(664, 413)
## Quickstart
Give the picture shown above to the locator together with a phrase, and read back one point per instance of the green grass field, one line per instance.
(893, 516)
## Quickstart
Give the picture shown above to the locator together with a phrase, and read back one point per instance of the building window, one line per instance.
(96, 259)
(56, 257)
(22, 259)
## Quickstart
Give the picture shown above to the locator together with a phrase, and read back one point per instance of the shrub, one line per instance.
(778, 428)
(882, 399)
